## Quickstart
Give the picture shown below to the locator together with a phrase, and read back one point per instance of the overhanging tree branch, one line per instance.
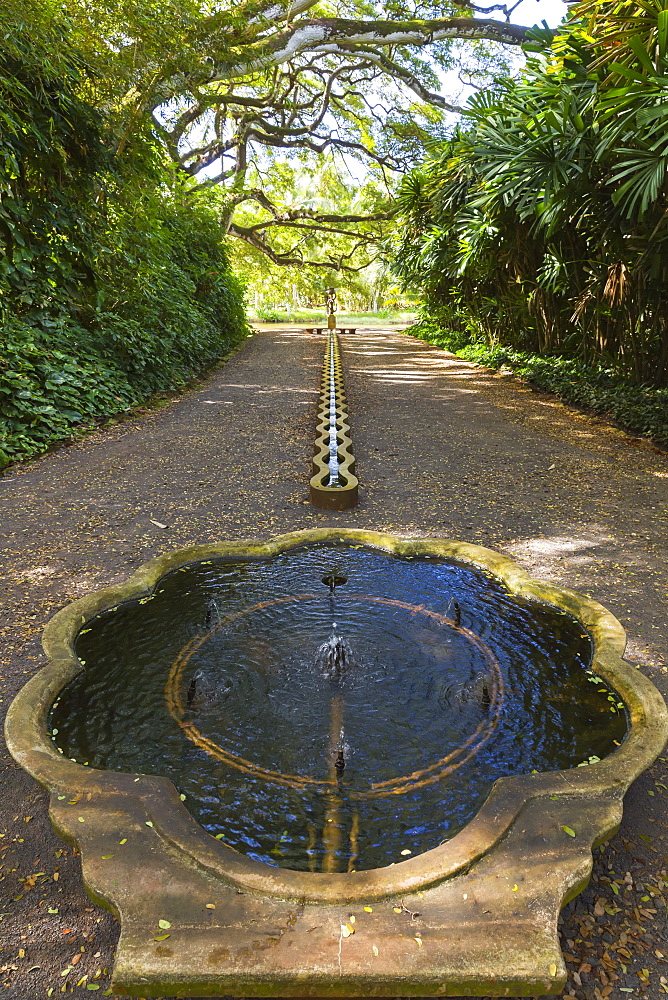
(243, 53)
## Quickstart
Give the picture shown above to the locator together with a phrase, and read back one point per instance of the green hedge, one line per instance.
(114, 279)
(166, 308)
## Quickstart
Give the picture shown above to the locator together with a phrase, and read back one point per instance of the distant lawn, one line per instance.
(319, 318)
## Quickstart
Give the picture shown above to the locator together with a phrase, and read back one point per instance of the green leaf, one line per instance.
(567, 829)
(662, 33)
(164, 924)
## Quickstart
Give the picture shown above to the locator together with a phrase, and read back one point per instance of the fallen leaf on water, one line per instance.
(406, 851)
(158, 524)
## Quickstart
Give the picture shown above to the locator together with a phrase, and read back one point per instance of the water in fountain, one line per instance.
(298, 742)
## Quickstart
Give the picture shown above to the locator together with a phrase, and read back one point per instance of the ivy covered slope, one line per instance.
(114, 282)
(541, 225)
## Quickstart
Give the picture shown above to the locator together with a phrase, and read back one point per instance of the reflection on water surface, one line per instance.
(334, 708)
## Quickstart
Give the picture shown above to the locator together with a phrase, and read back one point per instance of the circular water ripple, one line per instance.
(219, 681)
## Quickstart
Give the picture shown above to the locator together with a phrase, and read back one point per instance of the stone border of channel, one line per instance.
(333, 458)
(476, 916)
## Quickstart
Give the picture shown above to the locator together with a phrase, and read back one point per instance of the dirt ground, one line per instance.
(442, 448)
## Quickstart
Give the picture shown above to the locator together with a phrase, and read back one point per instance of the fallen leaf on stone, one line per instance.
(567, 829)
(164, 924)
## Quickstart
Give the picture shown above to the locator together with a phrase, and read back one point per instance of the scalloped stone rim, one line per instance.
(587, 799)
(27, 735)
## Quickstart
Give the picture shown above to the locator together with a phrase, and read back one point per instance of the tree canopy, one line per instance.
(226, 90)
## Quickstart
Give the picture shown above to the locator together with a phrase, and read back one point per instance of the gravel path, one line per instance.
(443, 448)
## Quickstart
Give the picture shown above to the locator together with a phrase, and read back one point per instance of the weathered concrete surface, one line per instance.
(442, 448)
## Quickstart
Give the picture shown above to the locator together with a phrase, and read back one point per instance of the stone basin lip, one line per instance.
(31, 746)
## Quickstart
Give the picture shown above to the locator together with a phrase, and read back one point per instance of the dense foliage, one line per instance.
(542, 223)
(112, 283)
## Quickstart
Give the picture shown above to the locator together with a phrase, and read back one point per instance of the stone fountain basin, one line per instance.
(474, 916)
